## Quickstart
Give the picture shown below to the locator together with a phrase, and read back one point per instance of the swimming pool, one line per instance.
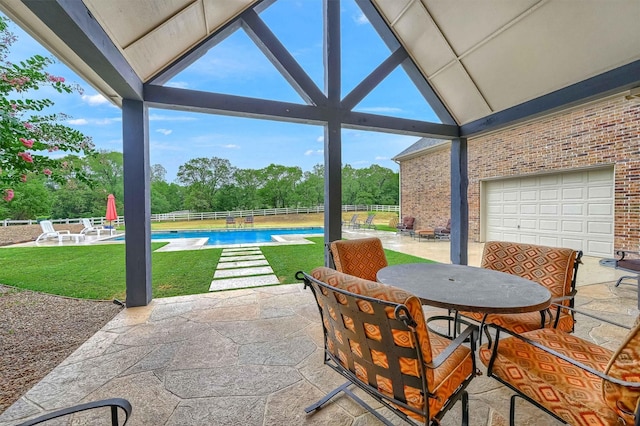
(231, 236)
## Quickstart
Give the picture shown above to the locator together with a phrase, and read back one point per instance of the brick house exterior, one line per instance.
(603, 133)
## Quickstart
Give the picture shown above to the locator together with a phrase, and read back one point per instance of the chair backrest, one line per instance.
(408, 221)
(378, 333)
(248, 219)
(553, 267)
(86, 223)
(231, 219)
(362, 257)
(624, 365)
(47, 226)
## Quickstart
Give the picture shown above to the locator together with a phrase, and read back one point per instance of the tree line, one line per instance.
(203, 184)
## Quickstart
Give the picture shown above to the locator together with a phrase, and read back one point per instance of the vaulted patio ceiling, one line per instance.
(490, 62)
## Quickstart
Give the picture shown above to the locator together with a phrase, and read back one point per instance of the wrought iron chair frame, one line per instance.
(113, 403)
(402, 321)
(519, 394)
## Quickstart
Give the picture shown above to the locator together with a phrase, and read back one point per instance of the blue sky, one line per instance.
(236, 66)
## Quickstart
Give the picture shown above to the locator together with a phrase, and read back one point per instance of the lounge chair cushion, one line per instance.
(362, 257)
(566, 390)
(441, 381)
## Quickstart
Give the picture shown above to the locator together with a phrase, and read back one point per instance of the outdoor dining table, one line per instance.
(467, 288)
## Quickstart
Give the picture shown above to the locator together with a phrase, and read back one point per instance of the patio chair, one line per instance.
(48, 231)
(362, 257)
(443, 233)
(376, 337)
(368, 223)
(406, 225)
(248, 221)
(552, 267)
(576, 381)
(628, 264)
(89, 227)
(114, 404)
(231, 222)
(353, 223)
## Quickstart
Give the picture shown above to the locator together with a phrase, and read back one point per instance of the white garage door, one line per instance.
(573, 210)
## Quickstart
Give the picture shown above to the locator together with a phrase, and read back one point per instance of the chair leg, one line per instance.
(327, 397)
(465, 408)
(630, 277)
(512, 410)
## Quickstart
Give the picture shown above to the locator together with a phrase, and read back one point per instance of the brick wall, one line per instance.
(603, 133)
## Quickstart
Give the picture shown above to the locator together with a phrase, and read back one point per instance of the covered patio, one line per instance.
(254, 357)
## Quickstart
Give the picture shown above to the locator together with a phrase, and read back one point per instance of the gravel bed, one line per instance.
(38, 331)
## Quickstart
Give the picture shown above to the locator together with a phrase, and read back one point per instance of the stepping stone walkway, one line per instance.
(241, 268)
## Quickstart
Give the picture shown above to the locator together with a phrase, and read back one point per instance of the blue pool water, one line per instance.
(232, 236)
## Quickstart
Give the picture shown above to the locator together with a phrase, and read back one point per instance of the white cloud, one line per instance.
(78, 122)
(320, 139)
(94, 100)
(178, 84)
(106, 121)
(314, 152)
(231, 146)
(360, 19)
(381, 158)
(165, 132)
(381, 109)
(160, 117)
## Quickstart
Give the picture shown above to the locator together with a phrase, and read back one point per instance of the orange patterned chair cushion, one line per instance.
(442, 381)
(548, 266)
(362, 257)
(569, 392)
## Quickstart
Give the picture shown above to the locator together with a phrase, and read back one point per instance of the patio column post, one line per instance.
(137, 201)
(459, 202)
(333, 127)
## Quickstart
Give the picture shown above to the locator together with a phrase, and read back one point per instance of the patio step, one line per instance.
(242, 268)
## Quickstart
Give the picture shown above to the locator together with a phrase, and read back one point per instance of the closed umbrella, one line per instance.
(111, 209)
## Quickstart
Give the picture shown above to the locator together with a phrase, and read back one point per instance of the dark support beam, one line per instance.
(280, 57)
(72, 22)
(137, 202)
(333, 128)
(459, 202)
(216, 103)
(381, 123)
(414, 73)
(372, 80)
(608, 83)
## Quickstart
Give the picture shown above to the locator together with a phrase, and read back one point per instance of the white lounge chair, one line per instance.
(49, 232)
(88, 227)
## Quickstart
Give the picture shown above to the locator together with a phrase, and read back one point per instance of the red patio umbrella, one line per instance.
(111, 209)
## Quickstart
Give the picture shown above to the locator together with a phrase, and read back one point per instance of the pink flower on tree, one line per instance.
(26, 156)
(27, 125)
(8, 195)
(54, 79)
(23, 178)
(47, 172)
(27, 142)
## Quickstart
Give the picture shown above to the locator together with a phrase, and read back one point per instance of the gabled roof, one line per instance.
(489, 62)
(423, 144)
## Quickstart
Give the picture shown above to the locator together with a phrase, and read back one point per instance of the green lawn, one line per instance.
(98, 272)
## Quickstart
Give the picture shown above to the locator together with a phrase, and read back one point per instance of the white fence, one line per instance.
(185, 215)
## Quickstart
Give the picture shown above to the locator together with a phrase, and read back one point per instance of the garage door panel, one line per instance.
(573, 193)
(549, 225)
(549, 209)
(599, 209)
(573, 209)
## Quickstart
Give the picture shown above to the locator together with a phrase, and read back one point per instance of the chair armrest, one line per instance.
(623, 253)
(64, 231)
(469, 333)
(114, 403)
(635, 385)
(608, 321)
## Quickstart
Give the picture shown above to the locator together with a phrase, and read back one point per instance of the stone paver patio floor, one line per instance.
(253, 357)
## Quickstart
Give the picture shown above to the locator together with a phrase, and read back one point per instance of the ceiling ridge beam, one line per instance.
(280, 57)
(608, 83)
(372, 81)
(73, 23)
